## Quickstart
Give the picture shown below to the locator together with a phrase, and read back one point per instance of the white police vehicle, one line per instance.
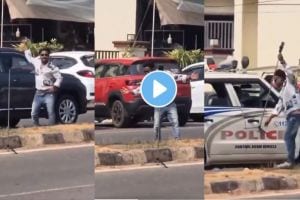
(196, 112)
(236, 107)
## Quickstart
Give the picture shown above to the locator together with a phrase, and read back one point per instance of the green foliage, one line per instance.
(128, 52)
(185, 57)
(53, 45)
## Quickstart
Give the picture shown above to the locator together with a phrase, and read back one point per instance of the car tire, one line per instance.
(66, 109)
(119, 115)
(12, 123)
(182, 119)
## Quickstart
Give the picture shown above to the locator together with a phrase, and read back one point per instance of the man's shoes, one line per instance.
(285, 165)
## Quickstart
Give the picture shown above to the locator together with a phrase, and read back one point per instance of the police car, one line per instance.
(196, 112)
(236, 107)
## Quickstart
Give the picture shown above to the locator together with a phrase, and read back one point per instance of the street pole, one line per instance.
(153, 26)
(2, 16)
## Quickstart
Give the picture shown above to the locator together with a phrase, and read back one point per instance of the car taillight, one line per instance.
(133, 82)
(86, 73)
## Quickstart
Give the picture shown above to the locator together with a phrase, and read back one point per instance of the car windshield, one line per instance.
(138, 69)
(88, 60)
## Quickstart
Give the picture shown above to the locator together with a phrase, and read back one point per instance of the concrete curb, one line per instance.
(39, 140)
(262, 184)
(148, 156)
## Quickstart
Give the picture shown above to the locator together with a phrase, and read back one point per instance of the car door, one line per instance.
(197, 90)
(222, 118)
(3, 90)
(257, 101)
(22, 82)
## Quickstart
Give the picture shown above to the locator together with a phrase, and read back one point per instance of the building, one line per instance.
(260, 27)
(131, 20)
(20, 21)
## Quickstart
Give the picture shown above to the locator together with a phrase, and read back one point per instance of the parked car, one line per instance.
(79, 64)
(70, 100)
(115, 81)
(197, 87)
(236, 107)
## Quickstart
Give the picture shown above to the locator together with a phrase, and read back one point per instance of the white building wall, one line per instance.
(114, 19)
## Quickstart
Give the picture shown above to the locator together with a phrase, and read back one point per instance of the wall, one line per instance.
(260, 28)
(114, 19)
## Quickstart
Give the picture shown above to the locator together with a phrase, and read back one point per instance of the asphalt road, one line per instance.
(175, 182)
(143, 132)
(87, 117)
(60, 174)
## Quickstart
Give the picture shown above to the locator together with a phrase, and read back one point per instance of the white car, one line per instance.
(236, 108)
(79, 64)
(197, 109)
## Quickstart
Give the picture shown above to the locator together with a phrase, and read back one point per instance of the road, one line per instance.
(180, 181)
(87, 117)
(143, 132)
(61, 173)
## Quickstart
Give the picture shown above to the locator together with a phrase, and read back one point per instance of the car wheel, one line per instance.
(182, 118)
(66, 110)
(12, 123)
(119, 114)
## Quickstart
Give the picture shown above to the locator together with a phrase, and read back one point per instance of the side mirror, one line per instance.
(245, 62)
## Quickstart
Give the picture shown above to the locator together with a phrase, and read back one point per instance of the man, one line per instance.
(47, 82)
(171, 109)
(289, 103)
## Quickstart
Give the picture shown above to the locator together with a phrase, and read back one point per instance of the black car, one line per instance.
(70, 99)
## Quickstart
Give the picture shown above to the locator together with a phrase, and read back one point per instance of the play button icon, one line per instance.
(158, 89)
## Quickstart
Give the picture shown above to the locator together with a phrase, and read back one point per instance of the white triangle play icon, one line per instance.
(158, 89)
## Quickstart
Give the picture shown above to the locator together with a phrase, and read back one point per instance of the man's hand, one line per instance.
(53, 89)
(281, 59)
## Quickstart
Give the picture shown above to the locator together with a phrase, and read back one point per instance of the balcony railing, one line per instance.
(221, 30)
(100, 54)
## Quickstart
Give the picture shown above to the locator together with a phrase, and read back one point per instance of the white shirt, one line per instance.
(46, 76)
(289, 97)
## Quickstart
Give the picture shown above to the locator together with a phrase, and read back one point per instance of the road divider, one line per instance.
(41, 136)
(234, 183)
(147, 155)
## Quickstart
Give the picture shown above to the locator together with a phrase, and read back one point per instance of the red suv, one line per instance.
(116, 80)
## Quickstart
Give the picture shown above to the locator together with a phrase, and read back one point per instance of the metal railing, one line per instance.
(221, 30)
(100, 54)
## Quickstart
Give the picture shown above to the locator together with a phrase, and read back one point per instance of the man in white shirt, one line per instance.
(47, 82)
(289, 103)
(171, 109)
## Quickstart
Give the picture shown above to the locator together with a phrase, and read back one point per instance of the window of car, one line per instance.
(254, 94)
(138, 68)
(198, 69)
(215, 94)
(88, 60)
(63, 62)
(109, 70)
(15, 62)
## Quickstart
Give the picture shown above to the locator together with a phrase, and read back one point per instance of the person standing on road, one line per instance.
(289, 103)
(171, 109)
(47, 81)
